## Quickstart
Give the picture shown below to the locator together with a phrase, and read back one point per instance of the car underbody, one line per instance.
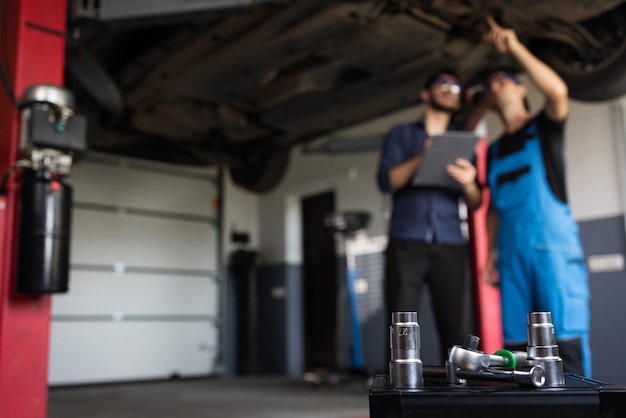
(239, 83)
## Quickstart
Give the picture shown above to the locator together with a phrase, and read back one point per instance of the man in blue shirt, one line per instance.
(426, 244)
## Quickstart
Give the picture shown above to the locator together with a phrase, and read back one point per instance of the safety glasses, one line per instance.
(448, 85)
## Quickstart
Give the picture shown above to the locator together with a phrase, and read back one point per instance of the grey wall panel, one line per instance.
(295, 319)
(608, 335)
(272, 319)
(280, 320)
(603, 236)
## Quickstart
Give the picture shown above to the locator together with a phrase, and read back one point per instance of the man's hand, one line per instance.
(427, 143)
(545, 78)
(400, 175)
(463, 172)
(490, 273)
(504, 40)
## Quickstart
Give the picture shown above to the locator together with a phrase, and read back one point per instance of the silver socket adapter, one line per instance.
(542, 349)
(405, 365)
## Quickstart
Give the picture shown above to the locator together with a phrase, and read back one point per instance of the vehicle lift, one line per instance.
(33, 104)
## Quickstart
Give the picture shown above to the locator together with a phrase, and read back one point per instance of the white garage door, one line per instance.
(144, 295)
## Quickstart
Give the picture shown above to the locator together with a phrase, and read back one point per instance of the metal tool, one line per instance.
(468, 357)
(533, 376)
(466, 362)
(405, 365)
(477, 361)
(542, 349)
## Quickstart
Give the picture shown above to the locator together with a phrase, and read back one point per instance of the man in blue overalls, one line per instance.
(533, 238)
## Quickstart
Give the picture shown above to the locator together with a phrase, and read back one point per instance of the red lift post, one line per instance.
(488, 311)
(489, 314)
(32, 50)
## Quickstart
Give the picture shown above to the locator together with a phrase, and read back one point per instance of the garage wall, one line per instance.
(598, 165)
(280, 246)
(350, 175)
(144, 295)
(592, 162)
(240, 215)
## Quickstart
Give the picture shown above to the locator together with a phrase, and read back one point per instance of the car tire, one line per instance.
(263, 174)
(604, 80)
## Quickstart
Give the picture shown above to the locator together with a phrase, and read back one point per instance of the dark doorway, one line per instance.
(320, 283)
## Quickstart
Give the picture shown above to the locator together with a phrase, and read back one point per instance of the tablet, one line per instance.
(444, 150)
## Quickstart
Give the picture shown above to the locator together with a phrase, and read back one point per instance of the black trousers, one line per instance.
(446, 270)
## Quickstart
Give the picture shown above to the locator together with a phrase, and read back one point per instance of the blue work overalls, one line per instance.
(540, 258)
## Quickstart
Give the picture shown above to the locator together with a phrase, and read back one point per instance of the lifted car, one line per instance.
(238, 82)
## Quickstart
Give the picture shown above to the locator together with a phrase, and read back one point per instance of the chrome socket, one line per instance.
(542, 349)
(405, 365)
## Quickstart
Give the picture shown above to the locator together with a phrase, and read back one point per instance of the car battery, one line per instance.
(578, 398)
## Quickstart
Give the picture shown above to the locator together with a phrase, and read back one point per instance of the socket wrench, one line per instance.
(532, 376)
(476, 361)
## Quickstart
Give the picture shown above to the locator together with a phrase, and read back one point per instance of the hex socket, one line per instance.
(542, 349)
(405, 365)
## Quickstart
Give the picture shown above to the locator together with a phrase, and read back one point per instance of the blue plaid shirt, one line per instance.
(420, 214)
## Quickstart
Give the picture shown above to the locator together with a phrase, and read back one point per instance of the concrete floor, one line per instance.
(228, 397)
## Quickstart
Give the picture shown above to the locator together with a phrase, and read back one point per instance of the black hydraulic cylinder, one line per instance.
(44, 236)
